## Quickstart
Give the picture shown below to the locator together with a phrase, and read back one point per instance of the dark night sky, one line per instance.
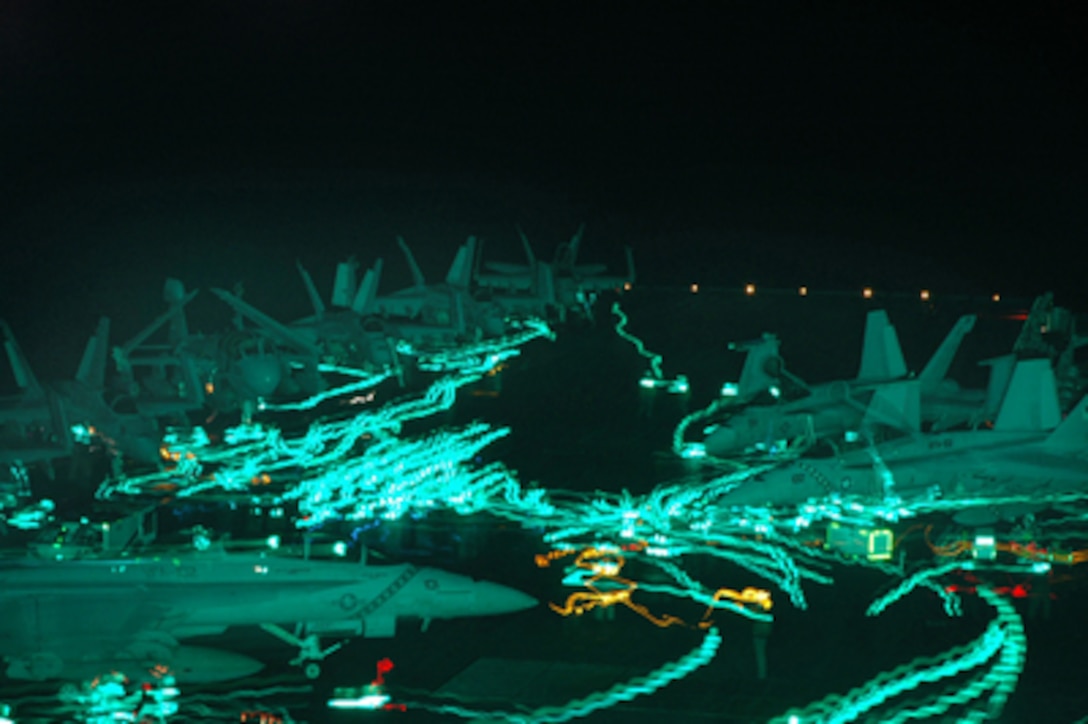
(836, 144)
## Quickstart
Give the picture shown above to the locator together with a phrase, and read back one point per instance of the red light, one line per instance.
(1019, 591)
(384, 667)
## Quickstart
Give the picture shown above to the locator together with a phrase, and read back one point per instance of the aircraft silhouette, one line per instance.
(44, 422)
(367, 331)
(171, 375)
(1030, 459)
(832, 409)
(59, 619)
(551, 288)
(447, 307)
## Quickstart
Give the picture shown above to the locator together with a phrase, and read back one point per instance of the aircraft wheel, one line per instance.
(312, 670)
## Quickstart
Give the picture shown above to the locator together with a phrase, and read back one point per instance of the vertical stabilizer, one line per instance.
(630, 264)
(20, 368)
(460, 273)
(1073, 431)
(92, 368)
(897, 404)
(1031, 400)
(937, 368)
(311, 291)
(1031, 341)
(762, 366)
(530, 258)
(881, 356)
(368, 290)
(567, 254)
(344, 284)
(1000, 374)
(460, 324)
(417, 276)
(545, 284)
(477, 260)
(173, 293)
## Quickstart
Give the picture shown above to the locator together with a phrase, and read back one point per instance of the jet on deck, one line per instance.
(1030, 460)
(41, 423)
(58, 617)
(540, 288)
(833, 408)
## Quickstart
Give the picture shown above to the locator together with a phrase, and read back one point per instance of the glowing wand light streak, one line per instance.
(621, 330)
(364, 381)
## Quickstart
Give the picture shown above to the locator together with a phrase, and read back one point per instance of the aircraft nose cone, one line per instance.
(262, 373)
(495, 598)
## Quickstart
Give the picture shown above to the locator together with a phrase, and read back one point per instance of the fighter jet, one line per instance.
(43, 422)
(364, 330)
(542, 288)
(1050, 331)
(835, 408)
(340, 336)
(58, 618)
(1030, 454)
(445, 312)
(160, 377)
(226, 371)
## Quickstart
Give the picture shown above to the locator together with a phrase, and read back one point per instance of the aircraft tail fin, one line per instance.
(567, 254)
(460, 273)
(1031, 400)
(311, 291)
(368, 290)
(545, 284)
(92, 368)
(1000, 374)
(459, 322)
(344, 285)
(173, 293)
(575, 243)
(762, 366)
(1073, 430)
(20, 368)
(937, 367)
(897, 405)
(881, 356)
(417, 275)
(1030, 341)
(477, 260)
(530, 258)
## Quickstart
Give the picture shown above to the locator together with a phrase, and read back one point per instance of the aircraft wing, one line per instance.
(52, 634)
(502, 267)
(41, 633)
(276, 329)
(589, 270)
(592, 277)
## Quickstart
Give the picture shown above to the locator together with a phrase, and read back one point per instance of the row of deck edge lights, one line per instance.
(803, 291)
